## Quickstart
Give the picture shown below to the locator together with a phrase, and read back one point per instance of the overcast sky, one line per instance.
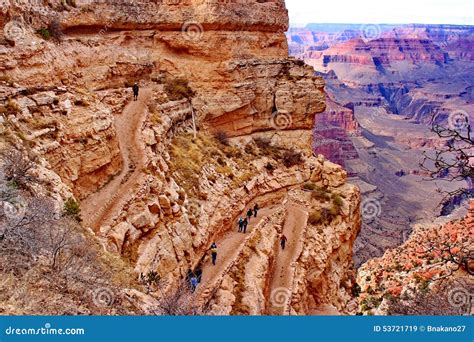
(378, 12)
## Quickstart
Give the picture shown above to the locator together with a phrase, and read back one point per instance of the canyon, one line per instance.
(223, 121)
(386, 86)
(326, 142)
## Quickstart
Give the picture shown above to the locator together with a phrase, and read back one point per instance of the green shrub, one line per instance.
(178, 89)
(320, 195)
(72, 209)
(44, 33)
(337, 200)
(315, 218)
(309, 186)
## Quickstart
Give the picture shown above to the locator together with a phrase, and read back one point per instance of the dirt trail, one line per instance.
(102, 206)
(228, 247)
(283, 271)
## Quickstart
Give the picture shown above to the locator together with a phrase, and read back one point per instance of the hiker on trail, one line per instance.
(194, 283)
(245, 225)
(255, 210)
(241, 225)
(249, 214)
(283, 240)
(214, 253)
(198, 273)
(136, 89)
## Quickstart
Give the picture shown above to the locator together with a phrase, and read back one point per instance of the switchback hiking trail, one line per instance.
(228, 248)
(101, 207)
(283, 271)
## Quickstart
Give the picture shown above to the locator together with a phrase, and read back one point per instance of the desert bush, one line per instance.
(178, 301)
(435, 302)
(263, 143)
(72, 209)
(315, 218)
(270, 167)
(222, 137)
(178, 89)
(52, 31)
(48, 257)
(18, 169)
(9, 108)
(337, 200)
(292, 158)
(320, 195)
(44, 33)
(309, 186)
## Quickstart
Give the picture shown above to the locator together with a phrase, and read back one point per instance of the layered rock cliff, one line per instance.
(223, 121)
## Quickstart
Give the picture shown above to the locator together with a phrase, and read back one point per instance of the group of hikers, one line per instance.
(244, 222)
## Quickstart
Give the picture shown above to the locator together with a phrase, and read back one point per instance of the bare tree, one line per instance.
(179, 301)
(17, 169)
(176, 300)
(448, 298)
(455, 160)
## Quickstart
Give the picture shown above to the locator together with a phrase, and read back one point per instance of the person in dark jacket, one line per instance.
(194, 283)
(249, 214)
(241, 225)
(255, 210)
(214, 253)
(136, 89)
(283, 241)
(245, 225)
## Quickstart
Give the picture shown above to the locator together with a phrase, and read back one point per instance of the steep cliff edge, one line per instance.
(153, 190)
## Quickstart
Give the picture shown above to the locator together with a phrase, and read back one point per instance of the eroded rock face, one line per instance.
(420, 264)
(235, 77)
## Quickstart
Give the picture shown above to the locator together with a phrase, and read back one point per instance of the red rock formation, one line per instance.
(332, 131)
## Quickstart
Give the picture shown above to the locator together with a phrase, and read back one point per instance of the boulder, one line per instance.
(142, 220)
(154, 208)
(44, 99)
(117, 234)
